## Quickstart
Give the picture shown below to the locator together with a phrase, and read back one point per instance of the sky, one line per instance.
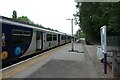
(49, 13)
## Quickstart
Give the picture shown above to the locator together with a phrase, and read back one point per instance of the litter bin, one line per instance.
(100, 55)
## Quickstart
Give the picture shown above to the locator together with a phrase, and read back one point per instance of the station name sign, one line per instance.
(103, 39)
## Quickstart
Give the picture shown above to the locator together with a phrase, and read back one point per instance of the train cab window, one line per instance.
(21, 37)
(17, 32)
(49, 37)
(26, 33)
(54, 37)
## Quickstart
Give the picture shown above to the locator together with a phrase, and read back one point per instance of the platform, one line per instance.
(60, 63)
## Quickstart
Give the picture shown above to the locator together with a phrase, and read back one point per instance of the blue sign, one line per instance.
(17, 51)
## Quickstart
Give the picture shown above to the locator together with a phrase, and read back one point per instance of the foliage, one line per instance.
(79, 34)
(25, 19)
(93, 15)
(14, 16)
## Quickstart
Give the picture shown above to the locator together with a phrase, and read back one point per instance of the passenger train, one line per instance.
(20, 40)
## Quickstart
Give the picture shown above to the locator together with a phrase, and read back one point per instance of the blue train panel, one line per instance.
(15, 41)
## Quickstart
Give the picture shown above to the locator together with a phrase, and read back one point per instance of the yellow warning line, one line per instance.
(17, 69)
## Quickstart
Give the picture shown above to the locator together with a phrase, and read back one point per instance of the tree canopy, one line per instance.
(14, 16)
(93, 15)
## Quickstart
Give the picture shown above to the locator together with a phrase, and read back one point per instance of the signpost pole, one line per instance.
(72, 35)
(103, 46)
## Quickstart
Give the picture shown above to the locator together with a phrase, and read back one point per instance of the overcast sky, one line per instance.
(49, 13)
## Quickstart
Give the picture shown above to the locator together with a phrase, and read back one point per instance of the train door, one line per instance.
(39, 42)
(58, 39)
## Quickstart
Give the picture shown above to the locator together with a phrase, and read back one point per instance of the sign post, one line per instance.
(103, 46)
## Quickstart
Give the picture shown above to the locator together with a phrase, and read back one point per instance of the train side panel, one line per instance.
(49, 42)
(15, 41)
(20, 40)
(32, 47)
(62, 39)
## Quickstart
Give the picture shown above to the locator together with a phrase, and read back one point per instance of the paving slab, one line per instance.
(61, 69)
(92, 50)
(61, 54)
(65, 54)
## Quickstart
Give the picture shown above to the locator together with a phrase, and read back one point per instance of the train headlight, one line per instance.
(4, 55)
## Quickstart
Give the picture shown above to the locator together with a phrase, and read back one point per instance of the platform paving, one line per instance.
(64, 64)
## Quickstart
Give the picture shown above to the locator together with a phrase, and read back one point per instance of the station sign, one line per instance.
(103, 39)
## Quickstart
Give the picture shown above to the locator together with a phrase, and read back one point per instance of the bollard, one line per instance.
(115, 65)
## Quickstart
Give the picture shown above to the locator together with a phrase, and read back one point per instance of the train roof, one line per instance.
(16, 22)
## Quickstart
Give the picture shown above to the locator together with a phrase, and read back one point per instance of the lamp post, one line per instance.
(78, 34)
(72, 39)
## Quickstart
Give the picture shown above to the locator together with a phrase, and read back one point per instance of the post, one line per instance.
(78, 34)
(105, 53)
(103, 46)
(105, 63)
(72, 40)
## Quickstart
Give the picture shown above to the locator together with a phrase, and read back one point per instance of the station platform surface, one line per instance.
(62, 63)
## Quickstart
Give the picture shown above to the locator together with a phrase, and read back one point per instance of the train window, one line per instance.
(54, 37)
(17, 32)
(21, 37)
(49, 37)
(38, 35)
(63, 37)
(26, 33)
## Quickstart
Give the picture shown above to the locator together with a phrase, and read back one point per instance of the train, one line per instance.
(20, 39)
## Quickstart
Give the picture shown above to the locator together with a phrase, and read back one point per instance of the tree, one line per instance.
(14, 16)
(25, 19)
(93, 15)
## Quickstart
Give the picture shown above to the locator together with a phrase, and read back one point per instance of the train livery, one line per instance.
(20, 40)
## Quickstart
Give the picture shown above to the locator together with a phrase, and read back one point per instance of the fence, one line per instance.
(113, 43)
